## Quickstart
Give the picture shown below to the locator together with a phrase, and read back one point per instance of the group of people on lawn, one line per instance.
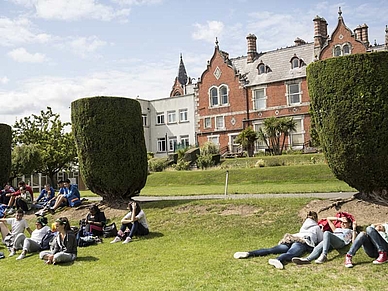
(64, 245)
(312, 239)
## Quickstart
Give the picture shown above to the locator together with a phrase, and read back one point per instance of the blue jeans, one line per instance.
(287, 251)
(135, 228)
(363, 240)
(330, 240)
(377, 239)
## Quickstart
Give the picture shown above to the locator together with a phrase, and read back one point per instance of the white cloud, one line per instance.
(137, 2)
(19, 31)
(85, 47)
(209, 31)
(4, 80)
(22, 56)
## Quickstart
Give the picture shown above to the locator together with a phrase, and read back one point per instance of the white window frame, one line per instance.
(339, 50)
(214, 98)
(185, 140)
(160, 118)
(218, 124)
(207, 122)
(171, 117)
(292, 95)
(161, 144)
(299, 132)
(183, 115)
(259, 144)
(256, 100)
(215, 139)
(172, 143)
(219, 97)
(144, 118)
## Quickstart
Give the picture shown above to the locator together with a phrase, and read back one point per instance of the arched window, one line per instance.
(224, 95)
(346, 49)
(261, 69)
(219, 96)
(294, 63)
(214, 96)
(337, 51)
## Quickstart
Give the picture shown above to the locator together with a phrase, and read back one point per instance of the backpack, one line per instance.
(47, 240)
(325, 225)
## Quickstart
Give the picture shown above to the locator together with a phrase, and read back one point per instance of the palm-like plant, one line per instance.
(247, 139)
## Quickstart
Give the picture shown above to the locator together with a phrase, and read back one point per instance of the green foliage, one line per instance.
(182, 165)
(150, 155)
(47, 134)
(158, 164)
(349, 109)
(25, 159)
(209, 148)
(5, 152)
(204, 161)
(246, 139)
(110, 144)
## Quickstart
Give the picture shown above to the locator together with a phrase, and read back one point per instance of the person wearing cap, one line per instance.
(31, 244)
(71, 197)
(65, 244)
(337, 239)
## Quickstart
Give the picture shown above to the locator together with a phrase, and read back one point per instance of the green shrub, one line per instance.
(205, 161)
(110, 144)
(182, 165)
(209, 148)
(150, 155)
(349, 109)
(158, 164)
(5, 152)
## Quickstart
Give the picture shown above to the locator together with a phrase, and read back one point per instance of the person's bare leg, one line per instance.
(4, 230)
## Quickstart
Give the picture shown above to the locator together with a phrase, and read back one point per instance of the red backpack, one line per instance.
(325, 225)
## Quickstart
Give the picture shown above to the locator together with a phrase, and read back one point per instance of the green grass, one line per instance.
(285, 179)
(191, 247)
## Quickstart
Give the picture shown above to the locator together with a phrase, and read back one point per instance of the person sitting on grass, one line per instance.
(32, 244)
(18, 226)
(20, 199)
(309, 235)
(374, 242)
(339, 238)
(95, 220)
(71, 197)
(5, 194)
(45, 196)
(133, 223)
(65, 244)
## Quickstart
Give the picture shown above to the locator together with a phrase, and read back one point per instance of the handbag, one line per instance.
(109, 230)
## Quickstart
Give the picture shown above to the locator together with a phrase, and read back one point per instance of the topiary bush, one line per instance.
(5, 152)
(349, 108)
(110, 143)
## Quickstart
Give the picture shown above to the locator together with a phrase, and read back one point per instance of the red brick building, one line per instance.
(233, 93)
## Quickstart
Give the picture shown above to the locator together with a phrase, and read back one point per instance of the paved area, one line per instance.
(332, 195)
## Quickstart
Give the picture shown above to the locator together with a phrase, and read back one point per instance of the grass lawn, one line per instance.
(191, 247)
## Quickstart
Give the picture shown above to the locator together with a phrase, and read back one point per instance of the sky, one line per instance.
(53, 52)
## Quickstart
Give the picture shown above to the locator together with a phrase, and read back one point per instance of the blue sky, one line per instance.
(53, 52)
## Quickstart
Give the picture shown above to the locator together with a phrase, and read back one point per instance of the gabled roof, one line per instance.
(279, 63)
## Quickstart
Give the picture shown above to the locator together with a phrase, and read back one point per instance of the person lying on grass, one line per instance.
(339, 238)
(309, 235)
(65, 244)
(374, 242)
(133, 223)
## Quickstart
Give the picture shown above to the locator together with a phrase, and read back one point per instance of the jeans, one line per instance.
(287, 251)
(135, 228)
(378, 241)
(365, 241)
(330, 240)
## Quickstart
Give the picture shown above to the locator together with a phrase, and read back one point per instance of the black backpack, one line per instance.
(47, 240)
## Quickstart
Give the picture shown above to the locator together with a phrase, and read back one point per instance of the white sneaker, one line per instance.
(21, 256)
(117, 239)
(276, 263)
(241, 255)
(12, 253)
(11, 211)
(300, 261)
(127, 240)
(322, 258)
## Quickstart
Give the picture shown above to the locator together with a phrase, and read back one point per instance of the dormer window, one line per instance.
(297, 62)
(262, 68)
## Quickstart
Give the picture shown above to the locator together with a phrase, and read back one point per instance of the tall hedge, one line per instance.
(349, 107)
(110, 144)
(5, 152)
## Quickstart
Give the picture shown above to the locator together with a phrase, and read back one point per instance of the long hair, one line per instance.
(313, 215)
(138, 209)
(64, 221)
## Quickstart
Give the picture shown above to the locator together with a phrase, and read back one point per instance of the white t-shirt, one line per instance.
(17, 226)
(38, 234)
(140, 217)
(344, 233)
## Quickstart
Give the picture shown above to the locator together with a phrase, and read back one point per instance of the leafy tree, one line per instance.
(25, 159)
(246, 139)
(275, 131)
(5, 152)
(349, 110)
(46, 134)
(111, 147)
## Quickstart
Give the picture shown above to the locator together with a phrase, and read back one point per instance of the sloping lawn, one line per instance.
(191, 247)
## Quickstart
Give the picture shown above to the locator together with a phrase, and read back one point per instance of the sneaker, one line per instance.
(12, 253)
(51, 210)
(127, 240)
(11, 211)
(117, 239)
(21, 256)
(322, 258)
(381, 259)
(241, 255)
(276, 263)
(300, 261)
(348, 261)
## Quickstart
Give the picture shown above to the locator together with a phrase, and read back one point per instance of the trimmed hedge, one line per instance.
(110, 143)
(349, 107)
(5, 152)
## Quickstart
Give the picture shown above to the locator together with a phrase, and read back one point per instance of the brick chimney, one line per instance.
(364, 36)
(252, 48)
(320, 31)
(386, 37)
(358, 33)
(298, 41)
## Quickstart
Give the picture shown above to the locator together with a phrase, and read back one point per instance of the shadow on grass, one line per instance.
(87, 259)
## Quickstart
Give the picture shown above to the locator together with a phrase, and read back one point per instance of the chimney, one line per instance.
(364, 36)
(358, 33)
(320, 31)
(299, 41)
(252, 49)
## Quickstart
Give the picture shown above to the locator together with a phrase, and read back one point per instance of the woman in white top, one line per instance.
(133, 223)
(32, 244)
(337, 239)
